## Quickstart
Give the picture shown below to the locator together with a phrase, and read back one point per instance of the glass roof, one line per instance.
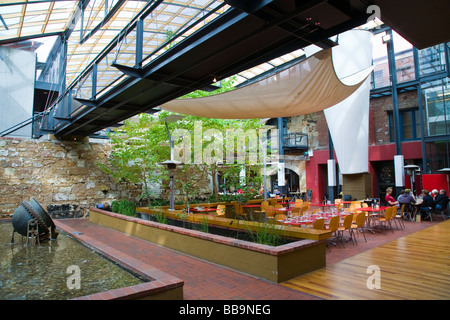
(100, 22)
(35, 19)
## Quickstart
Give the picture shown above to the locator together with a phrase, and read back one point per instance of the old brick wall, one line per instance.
(61, 175)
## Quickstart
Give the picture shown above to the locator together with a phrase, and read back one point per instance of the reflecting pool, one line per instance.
(54, 270)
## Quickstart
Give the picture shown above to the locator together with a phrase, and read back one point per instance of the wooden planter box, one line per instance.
(275, 264)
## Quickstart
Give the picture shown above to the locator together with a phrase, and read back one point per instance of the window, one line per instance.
(404, 58)
(380, 75)
(436, 97)
(432, 60)
(437, 155)
(410, 125)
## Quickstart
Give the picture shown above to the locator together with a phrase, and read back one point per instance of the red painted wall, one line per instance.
(316, 166)
(435, 181)
(315, 174)
(410, 150)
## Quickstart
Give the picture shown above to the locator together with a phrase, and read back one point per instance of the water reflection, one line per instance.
(40, 272)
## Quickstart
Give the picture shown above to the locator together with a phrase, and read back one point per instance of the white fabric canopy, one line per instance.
(307, 87)
(348, 121)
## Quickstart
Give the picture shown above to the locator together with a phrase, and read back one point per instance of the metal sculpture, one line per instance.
(30, 220)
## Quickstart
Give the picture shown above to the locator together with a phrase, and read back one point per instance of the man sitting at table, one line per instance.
(277, 192)
(427, 204)
(441, 200)
(389, 198)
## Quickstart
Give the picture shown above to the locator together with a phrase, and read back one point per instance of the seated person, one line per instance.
(426, 205)
(406, 199)
(401, 192)
(441, 200)
(277, 192)
(434, 194)
(389, 198)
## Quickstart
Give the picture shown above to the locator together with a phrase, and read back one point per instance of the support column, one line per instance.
(393, 75)
(331, 168)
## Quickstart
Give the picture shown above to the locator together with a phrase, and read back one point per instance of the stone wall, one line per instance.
(61, 175)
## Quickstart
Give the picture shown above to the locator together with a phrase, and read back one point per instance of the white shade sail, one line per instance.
(307, 87)
(348, 121)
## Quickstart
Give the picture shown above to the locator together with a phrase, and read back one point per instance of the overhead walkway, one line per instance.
(247, 34)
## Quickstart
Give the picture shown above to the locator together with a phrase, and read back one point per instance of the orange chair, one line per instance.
(318, 224)
(303, 210)
(386, 220)
(399, 217)
(270, 213)
(239, 210)
(346, 226)
(221, 210)
(280, 217)
(264, 206)
(359, 224)
(295, 212)
(333, 227)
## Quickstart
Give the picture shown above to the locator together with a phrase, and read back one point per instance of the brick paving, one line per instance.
(202, 280)
(208, 281)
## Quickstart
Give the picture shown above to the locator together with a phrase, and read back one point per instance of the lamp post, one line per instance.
(411, 169)
(171, 164)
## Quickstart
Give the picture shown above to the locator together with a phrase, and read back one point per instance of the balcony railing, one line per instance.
(295, 140)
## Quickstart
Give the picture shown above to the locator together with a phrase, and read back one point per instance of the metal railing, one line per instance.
(295, 140)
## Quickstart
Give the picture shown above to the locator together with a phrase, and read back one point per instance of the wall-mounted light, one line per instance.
(386, 38)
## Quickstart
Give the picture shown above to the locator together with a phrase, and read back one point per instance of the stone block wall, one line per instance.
(61, 175)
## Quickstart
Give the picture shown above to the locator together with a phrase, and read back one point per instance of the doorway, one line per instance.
(293, 182)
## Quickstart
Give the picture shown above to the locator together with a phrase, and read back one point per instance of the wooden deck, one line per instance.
(416, 266)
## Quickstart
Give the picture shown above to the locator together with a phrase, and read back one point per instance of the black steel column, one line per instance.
(393, 76)
(331, 157)
(396, 113)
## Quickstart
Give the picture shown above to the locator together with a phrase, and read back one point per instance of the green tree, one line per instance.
(136, 149)
(142, 142)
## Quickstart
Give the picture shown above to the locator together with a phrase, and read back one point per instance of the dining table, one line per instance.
(283, 210)
(346, 204)
(251, 210)
(251, 205)
(310, 219)
(203, 209)
(323, 205)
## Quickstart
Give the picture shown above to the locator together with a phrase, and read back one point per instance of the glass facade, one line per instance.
(380, 74)
(437, 155)
(423, 71)
(432, 60)
(436, 101)
(404, 59)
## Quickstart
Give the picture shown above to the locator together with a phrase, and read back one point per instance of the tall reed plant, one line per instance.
(267, 233)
